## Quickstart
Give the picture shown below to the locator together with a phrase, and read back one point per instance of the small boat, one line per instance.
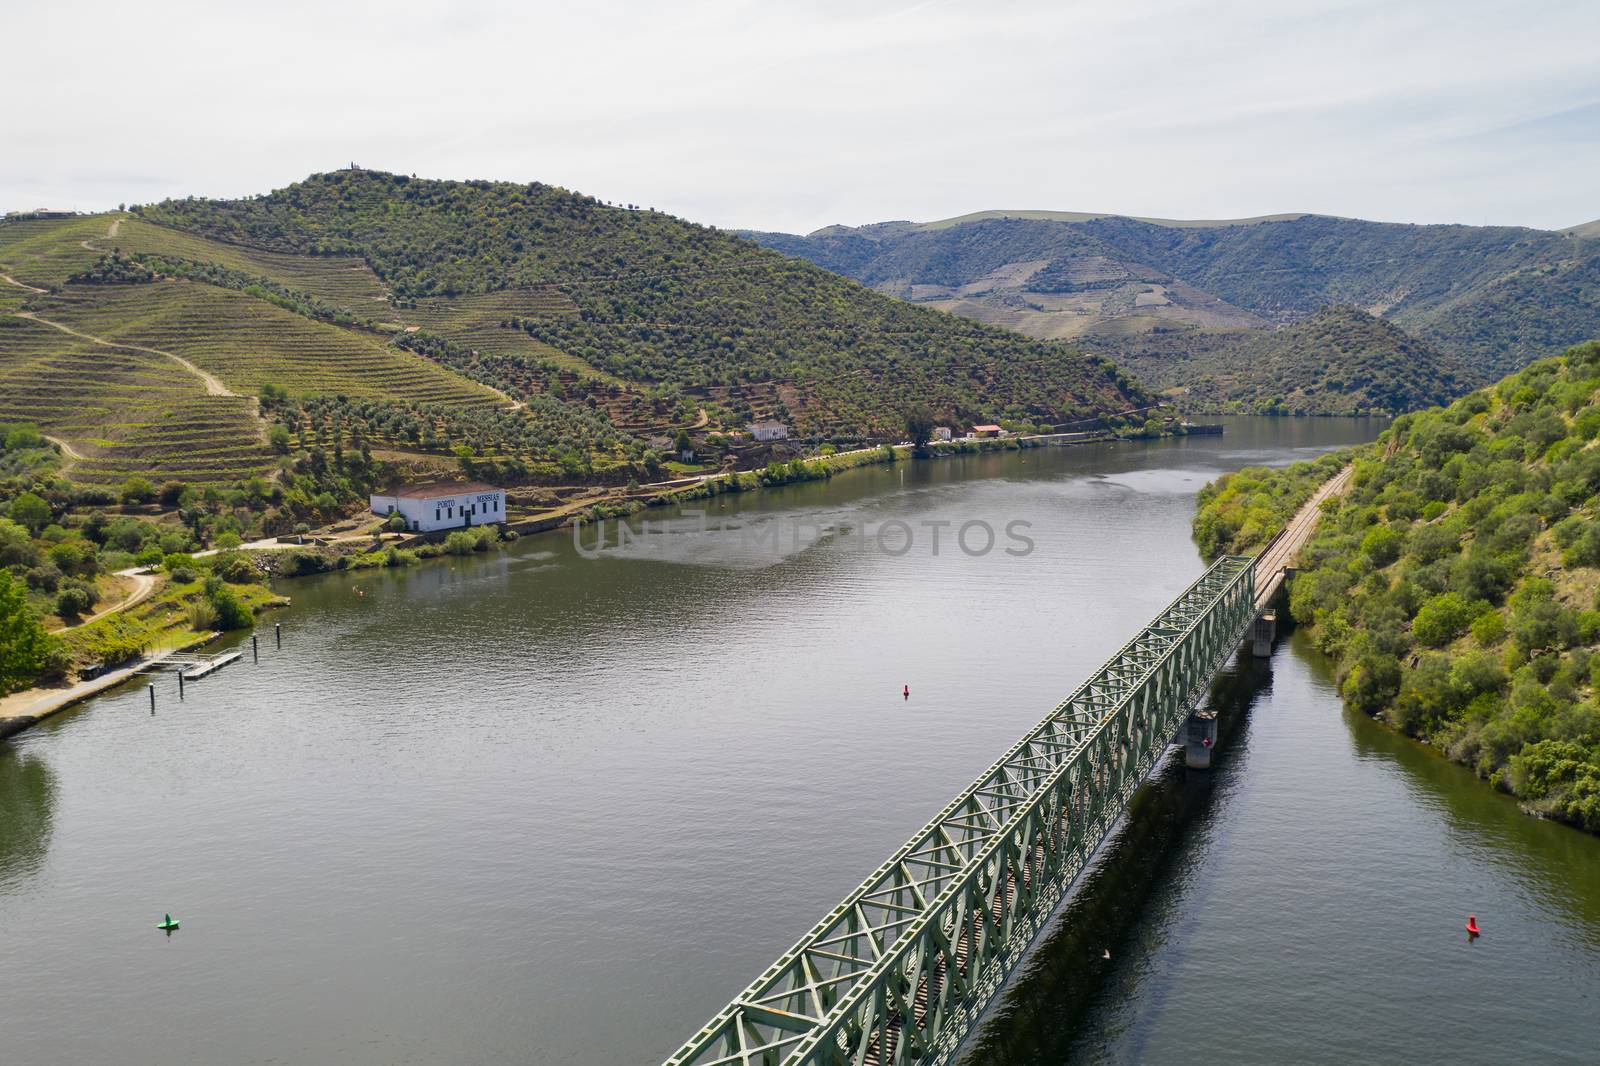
(169, 925)
(1472, 925)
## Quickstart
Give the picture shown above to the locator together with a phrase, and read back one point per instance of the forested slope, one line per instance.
(1339, 361)
(1456, 584)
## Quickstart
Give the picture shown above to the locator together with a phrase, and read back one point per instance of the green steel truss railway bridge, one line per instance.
(900, 971)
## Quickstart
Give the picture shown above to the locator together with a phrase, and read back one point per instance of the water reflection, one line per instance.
(1050, 1013)
(27, 802)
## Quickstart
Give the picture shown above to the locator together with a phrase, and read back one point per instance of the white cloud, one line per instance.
(791, 116)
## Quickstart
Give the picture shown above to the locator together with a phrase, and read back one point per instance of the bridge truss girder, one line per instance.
(900, 971)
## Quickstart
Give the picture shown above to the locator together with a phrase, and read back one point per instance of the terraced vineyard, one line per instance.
(343, 280)
(43, 252)
(474, 321)
(125, 412)
(249, 343)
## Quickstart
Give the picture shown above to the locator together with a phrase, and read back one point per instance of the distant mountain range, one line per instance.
(1187, 303)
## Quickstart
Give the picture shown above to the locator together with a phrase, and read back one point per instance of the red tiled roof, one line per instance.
(433, 490)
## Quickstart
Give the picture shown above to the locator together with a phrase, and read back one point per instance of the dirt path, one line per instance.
(69, 454)
(213, 384)
(111, 231)
(143, 586)
(20, 285)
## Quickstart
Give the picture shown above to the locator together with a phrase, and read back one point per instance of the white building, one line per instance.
(769, 431)
(941, 432)
(443, 505)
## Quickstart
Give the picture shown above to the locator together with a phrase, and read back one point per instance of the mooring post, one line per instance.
(152, 697)
(277, 631)
(180, 684)
(1200, 739)
(255, 650)
(1262, 634)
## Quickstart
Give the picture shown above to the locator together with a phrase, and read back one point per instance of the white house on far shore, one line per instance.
(763, 431)
(443, 505)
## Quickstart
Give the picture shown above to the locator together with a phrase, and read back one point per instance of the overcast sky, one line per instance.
(796, 115)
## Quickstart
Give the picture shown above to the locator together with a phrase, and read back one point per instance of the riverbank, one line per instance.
(25, 709)
(1456, 587)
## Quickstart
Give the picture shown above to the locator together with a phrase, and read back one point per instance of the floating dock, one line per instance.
(193, 668)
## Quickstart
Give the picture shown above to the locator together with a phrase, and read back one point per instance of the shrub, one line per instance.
(1382, 545)
(137, 490)
(460, 543)
(235, 567)
(231, 611)
(1445, 617)
(396, 523)
(72, 602)
(1489, 628)
(202, 615)
(181, 575)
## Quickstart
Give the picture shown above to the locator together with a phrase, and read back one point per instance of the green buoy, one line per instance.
(169, 925)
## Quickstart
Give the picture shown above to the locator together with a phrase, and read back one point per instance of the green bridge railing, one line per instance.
(901, 970)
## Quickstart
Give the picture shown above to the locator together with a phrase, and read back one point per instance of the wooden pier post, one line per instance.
(180, 684)
(152, 697)
(277, 631)
(255, 651)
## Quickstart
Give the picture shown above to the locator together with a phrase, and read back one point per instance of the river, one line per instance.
(536, 807)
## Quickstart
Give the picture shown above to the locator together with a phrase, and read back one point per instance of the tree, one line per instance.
(278, 437)
(24, 645)
(30, 511)
(919, 426)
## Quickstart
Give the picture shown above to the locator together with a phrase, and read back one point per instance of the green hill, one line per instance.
(542, 333)
(636, 300)
(1495, 297)
(1457, 584)
(1339, 361)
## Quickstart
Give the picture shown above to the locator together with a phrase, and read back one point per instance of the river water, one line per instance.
(537, 807)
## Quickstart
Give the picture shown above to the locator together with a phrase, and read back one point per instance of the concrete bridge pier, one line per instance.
(1262, 634)
(1200, 738)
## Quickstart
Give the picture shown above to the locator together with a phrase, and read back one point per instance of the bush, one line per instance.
(72, 602)
(231, 611)
(1489, 629)
(396, 523)
(1382, 545)
(202, 615)
(235, 567)
(460, 543)
(181, 575)
(137, 490)
(1445, 617)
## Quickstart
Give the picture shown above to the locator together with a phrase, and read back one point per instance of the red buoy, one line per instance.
(1472, 925)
